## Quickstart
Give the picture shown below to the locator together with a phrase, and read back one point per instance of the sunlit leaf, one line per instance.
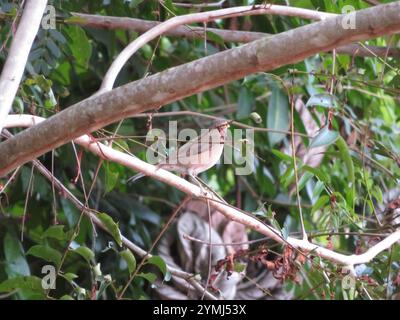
(22, 282)
(151, 277)
(245, 102)
(323, 100)
(111, 175)
(80, 47)
(303, 180)
(111, 226)
(46, 253)
(282, 156)
(135, 3)
(14, 257)
(130, 259)
(69, 276)
(85, 252)
(324, 137)
(212, 36)
(159, 263)
(239, 267)
(317, 172)
(278, 115)
(55, 232)
(322, 201)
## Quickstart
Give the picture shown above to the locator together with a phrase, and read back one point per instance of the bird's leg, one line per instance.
(211, 190)
(196, 180)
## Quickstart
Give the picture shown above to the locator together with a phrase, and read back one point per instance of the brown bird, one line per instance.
(197, 155)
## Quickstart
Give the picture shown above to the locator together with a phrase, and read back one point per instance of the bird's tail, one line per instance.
(136, 177)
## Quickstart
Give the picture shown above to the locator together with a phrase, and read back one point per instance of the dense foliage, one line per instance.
(345, 106)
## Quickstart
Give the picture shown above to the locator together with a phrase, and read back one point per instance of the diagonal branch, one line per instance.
(141, 26)
(124, 55)
(228, 211)
(171, 85)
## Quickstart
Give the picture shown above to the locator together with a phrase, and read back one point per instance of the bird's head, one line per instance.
(222, 125)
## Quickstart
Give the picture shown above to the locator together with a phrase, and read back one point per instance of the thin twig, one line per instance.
(190, 278)
(230, 212)
(160, 234)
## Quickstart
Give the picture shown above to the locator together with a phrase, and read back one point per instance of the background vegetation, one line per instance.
(347, 103)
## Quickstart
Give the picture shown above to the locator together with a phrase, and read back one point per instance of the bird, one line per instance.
(197, 155)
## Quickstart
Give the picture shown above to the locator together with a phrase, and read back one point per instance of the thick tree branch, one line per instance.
(141, 26)
(165, 87)
(230, 212)
(18, 55)
(124, 55)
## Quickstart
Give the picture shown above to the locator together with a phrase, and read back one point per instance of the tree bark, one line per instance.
(190, 78)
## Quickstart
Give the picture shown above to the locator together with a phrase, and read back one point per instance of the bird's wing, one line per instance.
(200, 144)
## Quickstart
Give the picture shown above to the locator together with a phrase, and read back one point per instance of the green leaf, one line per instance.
(22, 283)
(44, 83)
(322, 201)
(377, 193)
(14, 257)
(57, 35)
(51, 101)
(159, 263)
(121, 146)
(324, 137)
(85, 252)
(69, 276)
(211, 36)
(317, 172)
(66, 297)
(55, 232)
(170, 5)
(324, 100)
(51, 45)
(45, 253)
(111, 177)
(319, 186)
(239, 267)
(111, 226)
(281, 155)
(278, 115)
(245, 103)
(288, 176)
(345, 154)
(18, 105)
(151, 277)
(395, 82)
(303, 180)
(80, 47)
(135, 3)
(130, 260)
